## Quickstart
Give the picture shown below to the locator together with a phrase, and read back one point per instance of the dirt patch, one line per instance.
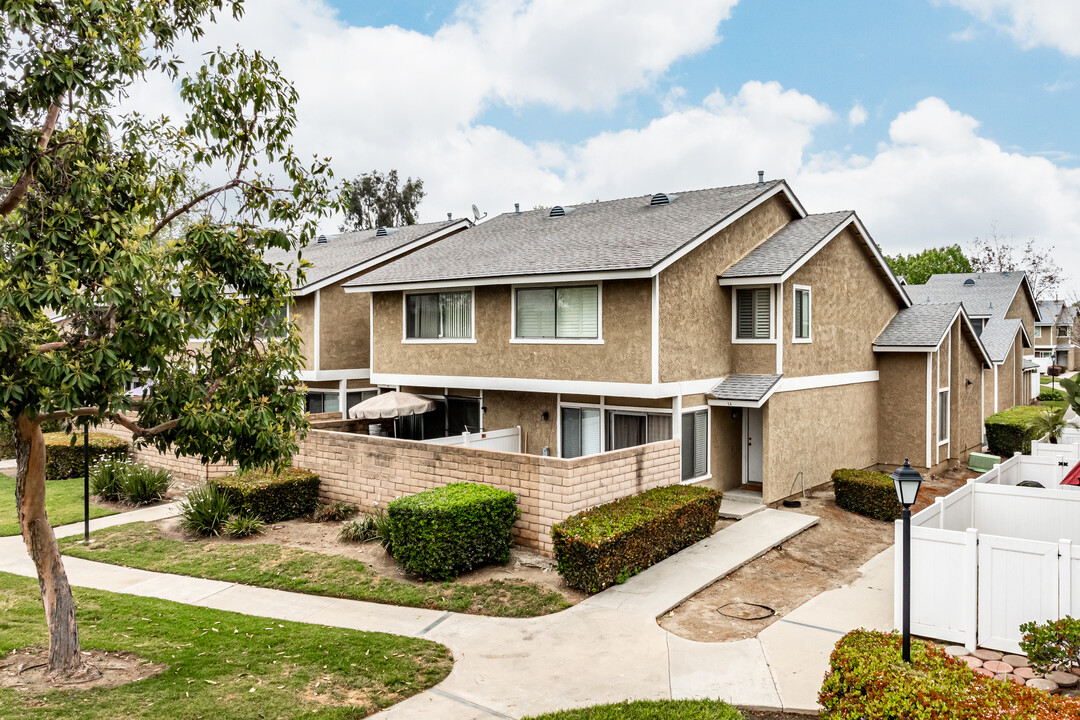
(774, 715)
(824, 557)
(524, 565)
(24, 670)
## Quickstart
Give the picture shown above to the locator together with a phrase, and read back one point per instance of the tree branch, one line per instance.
(68, 414)
(17, 192)
(52, 346)
(139, 431)
(186, 207)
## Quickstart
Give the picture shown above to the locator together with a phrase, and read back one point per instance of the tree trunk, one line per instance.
(65, 657)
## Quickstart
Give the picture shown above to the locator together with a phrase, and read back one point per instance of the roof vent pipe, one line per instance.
(517, 208)
(449, 217)
(761, 178)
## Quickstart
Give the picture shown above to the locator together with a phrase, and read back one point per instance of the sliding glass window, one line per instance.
(558, 313)
(439, 316)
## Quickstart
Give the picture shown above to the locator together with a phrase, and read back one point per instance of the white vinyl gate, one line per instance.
(1018, 582)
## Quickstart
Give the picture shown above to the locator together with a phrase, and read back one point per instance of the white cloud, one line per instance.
(966, 35)
(857, 115)
(1054, 23)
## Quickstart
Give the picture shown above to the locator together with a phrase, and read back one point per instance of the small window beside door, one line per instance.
(943, 417)
(695, 444)
(580, 431)
(753, 314)
(801, 332)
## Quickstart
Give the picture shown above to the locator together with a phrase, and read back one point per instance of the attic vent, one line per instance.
(969, 283)
(381, 232)
(660, 199)
(557, 211)
(321, 239)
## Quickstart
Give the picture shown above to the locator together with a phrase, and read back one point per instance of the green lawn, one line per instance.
(650, 710)
(63, 503)
(220, 664)
(141, 545)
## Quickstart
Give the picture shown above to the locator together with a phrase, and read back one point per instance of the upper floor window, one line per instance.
(753, 313)
(439, 316)
(1038, 331)
(1063, 331)
(802, 313)
(977, 326)
(558, 313)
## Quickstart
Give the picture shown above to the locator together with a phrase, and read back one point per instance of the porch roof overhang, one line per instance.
(744, 390)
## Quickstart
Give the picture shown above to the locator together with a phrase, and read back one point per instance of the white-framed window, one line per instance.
(628, 428)
(1038, 331)
(580, 431)
(943, 416)
(323, 401)
(445, 316)
(801, 315)
(568, 313)
(753, 314)
(695, 444)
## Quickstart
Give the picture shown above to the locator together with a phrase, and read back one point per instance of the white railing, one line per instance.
(508, 440)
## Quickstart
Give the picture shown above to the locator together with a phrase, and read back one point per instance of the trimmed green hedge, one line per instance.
(609, 543)
(1052, 394)
(1009, 431)
(440, 533)
(64, 460)
(7, 435)
(867, 679)
(271, 496)
(865, 492)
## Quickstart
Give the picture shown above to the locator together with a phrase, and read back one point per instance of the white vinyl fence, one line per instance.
(991, 556)
(508, 440)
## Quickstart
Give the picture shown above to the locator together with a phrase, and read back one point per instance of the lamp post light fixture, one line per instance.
(907, 480)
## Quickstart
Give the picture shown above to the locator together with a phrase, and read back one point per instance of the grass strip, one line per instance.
(63, 503)
(650, 710)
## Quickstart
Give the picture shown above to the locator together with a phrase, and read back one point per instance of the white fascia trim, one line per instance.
(781, 187)
(905, 348)
(566, 387)
(809, 382)
(325, 375)
(379, 259)
(713, 402)
(552, 279)
(929, 407)
(655, 330)
(318, 341)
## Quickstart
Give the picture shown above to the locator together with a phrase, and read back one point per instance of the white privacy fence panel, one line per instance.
(1070, 580)
(943, 583)
(1064, 452)
(1018, 583)
(1027, 513)
(508, 440)
(1071, 436)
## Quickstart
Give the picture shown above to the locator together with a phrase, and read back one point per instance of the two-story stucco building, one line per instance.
(1055, 336)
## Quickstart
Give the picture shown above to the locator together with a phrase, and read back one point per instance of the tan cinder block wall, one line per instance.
(842, 278)
(344, 320)
(302, 312)
(372, 471)
(695, 312)
(817, 431)
(508, 409)
(902, 408)
(625, 355)
(183, 468)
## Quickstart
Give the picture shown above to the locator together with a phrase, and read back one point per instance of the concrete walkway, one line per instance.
(605, 649)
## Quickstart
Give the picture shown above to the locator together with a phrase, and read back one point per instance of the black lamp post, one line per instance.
(907, 481)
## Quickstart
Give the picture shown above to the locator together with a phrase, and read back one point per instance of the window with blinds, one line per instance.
(753, 313)
(564, 312)
(695, 444)
(439, 316)
(802, 313)
(627, 429)
(580, 431)
(943, 416)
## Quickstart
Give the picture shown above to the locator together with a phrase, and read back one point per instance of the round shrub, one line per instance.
(205, 511)
(865, 492)
(1050, 394)
(271, 496)
(1010, 431)
(440, 533)
(64, 459)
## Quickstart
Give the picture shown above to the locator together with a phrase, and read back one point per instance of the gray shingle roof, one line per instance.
(787, 246)
(1028, 365)
(348, 250)
(1049, 311)
(744, 388)
(990, 295)
(615, 235)
(998, 337)
(918, 326)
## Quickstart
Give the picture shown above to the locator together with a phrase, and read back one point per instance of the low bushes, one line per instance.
(64, 460)
(440, 533)
(867, 493)
(269, 495)
(868, 679)
(122, 480)
(607, 544)
(205, 511)
(7, 435)
(1010, 431)
(1053, 645)
(1051, 394)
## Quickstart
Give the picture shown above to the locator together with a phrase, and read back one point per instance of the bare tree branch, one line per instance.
(138, 430)
(68, 414)
(17, 192)
(187, 206)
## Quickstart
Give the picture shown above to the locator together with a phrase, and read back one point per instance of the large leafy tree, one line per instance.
(917, 268)
(112, 255)
(376, 199)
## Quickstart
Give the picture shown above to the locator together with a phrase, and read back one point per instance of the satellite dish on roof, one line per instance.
(476, 213)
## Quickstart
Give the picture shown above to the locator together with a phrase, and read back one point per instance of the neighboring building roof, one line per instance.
(919, 326)
(1049, 311)
(998, 337)
(349, 252)
(787, 246)
(615, 235)
(744, 388)
(1028, 365)
(1063, 346)
(987, 295)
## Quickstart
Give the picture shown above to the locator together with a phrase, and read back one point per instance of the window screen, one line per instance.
(802, 314)
(443, 316)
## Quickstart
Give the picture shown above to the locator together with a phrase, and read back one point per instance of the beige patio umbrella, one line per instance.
(391, 405)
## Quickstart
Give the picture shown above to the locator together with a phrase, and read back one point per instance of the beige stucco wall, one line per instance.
(753, 358)
(902, 408)
(1009, 380)
(726, 450)
(509, 409)
(817, 431)
(625, 355)
(965, 420)
(988, 392)
(344, 320)
(1022, 309)
(695, 312)
(302, 311)
(850, 304)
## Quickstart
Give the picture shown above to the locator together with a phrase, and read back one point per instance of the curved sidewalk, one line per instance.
(605, 649)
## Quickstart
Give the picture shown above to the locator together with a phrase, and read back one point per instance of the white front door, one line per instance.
(753, 445)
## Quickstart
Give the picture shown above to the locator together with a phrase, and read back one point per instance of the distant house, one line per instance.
(775, 344)
(1054, 336)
